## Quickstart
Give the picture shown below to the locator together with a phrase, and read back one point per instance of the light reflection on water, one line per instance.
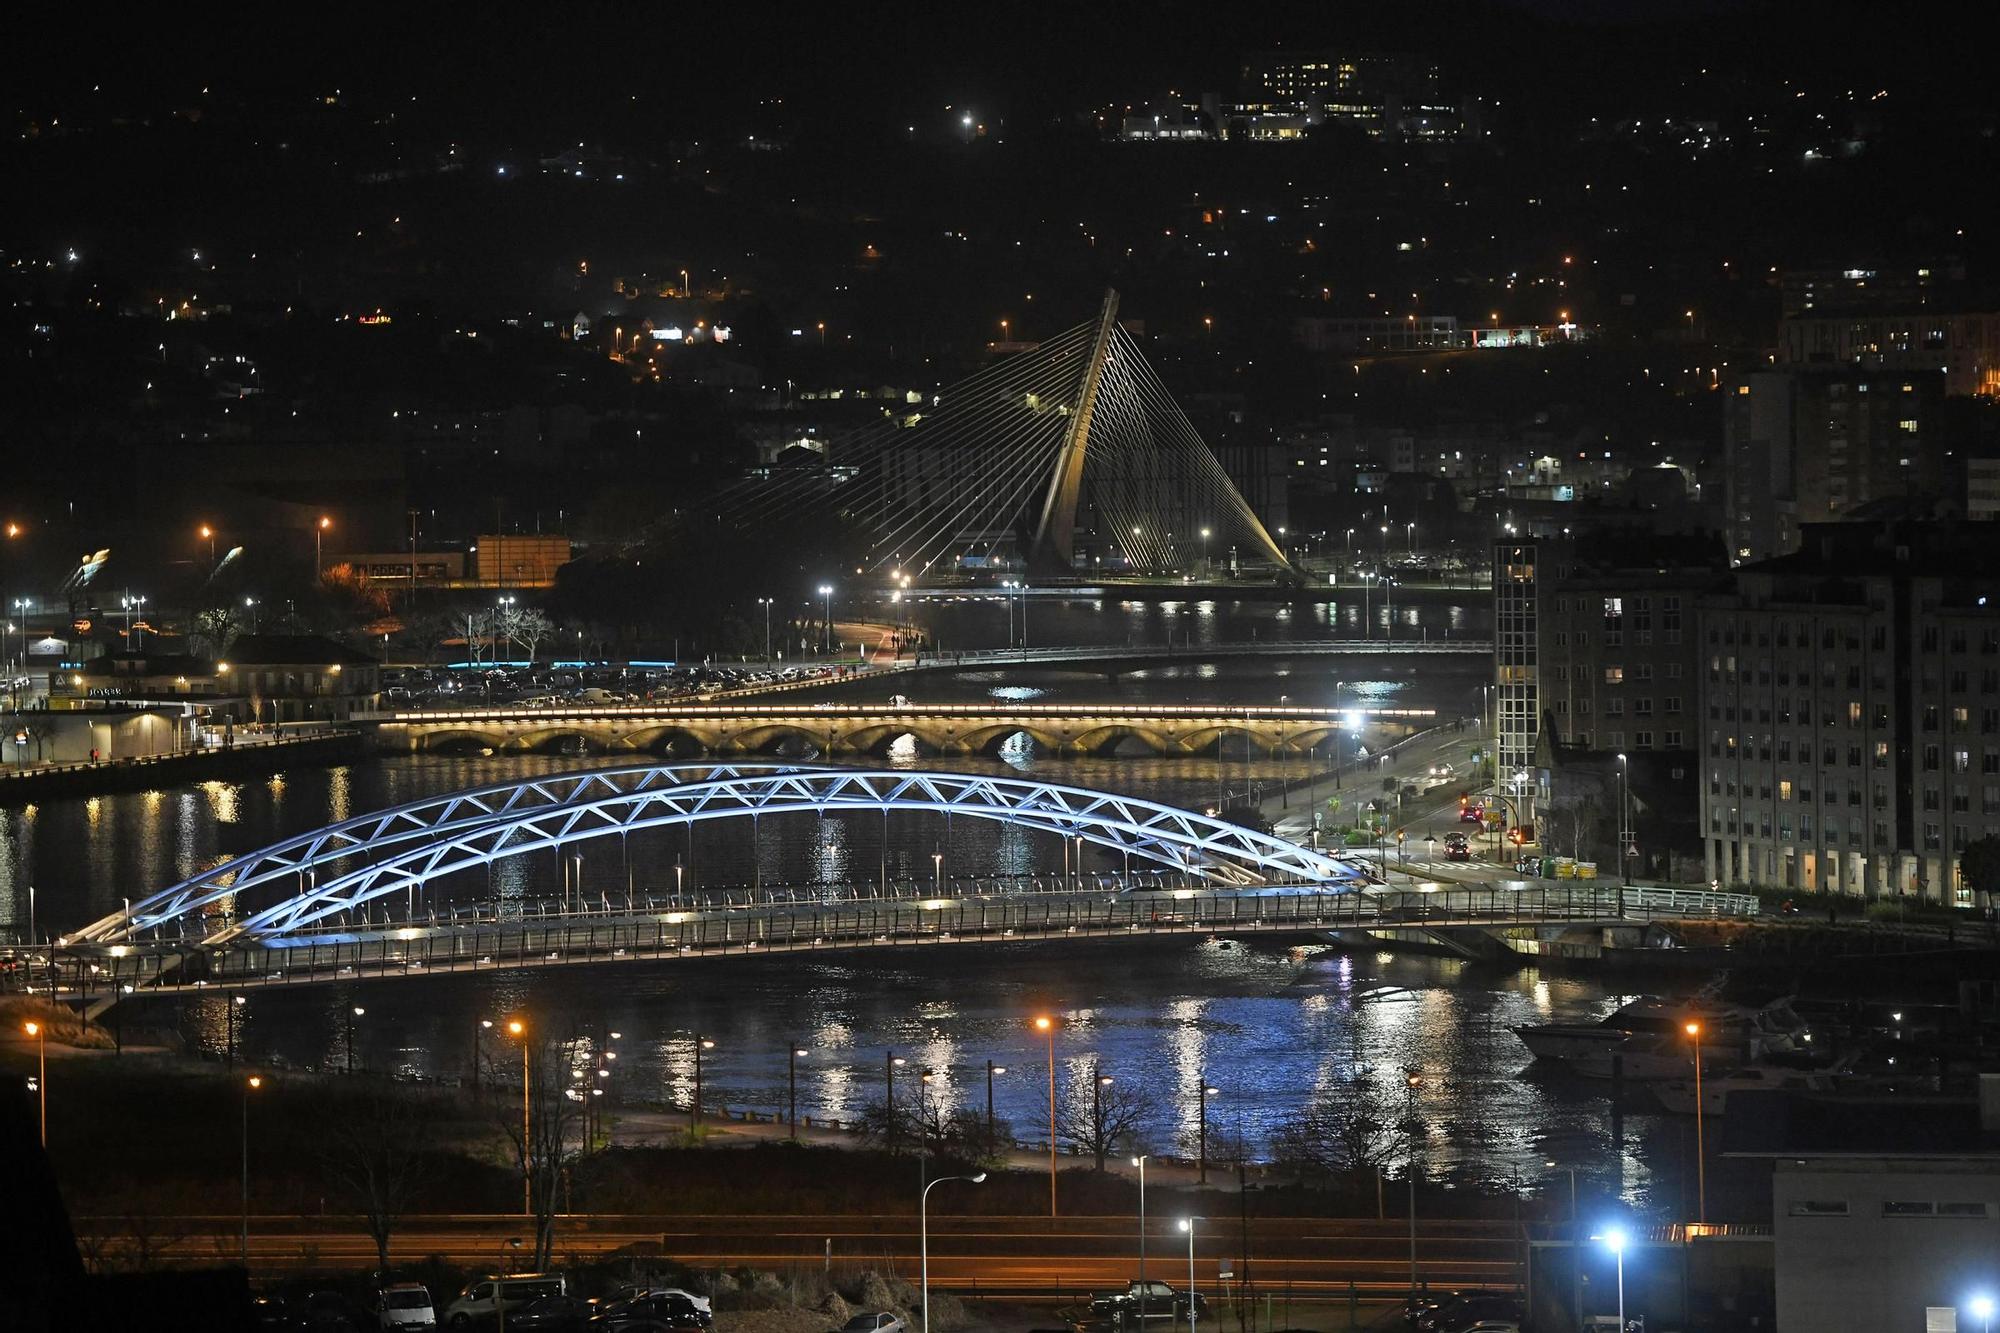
(1266, 1026)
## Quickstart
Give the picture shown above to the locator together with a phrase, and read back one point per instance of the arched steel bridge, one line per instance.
(301, 885)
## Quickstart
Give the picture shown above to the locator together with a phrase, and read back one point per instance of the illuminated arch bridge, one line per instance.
(307, 882)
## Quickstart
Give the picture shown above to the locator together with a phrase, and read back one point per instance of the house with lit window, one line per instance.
(301, 678)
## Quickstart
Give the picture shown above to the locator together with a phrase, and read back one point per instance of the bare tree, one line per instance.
(1105, 1118)
(214, 629)
(376, 1143)
(552, 1103)
(1344, 1129)
(525, 626)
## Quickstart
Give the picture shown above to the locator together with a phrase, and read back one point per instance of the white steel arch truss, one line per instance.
(302, 859)
(612, 802)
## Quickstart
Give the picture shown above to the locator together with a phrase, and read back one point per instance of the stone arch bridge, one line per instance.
(854, 728)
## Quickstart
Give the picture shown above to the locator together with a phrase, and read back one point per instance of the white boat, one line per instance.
(1647, 1059)
(1647, 1016)
(1677, 1094)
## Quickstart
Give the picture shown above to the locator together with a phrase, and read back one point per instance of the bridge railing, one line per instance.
(612, 932)
(1098, 712)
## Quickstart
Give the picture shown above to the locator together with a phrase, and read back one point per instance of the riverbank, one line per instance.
(21, 786)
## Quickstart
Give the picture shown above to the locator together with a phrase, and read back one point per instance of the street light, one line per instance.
(826, 591)
(1207, 569)
(765, 602)
(1187, 1225)
(319, 531)
(1412, 1080)
(516, 1028)
(991, 1070)
(1700, 1164)
(701, 1044)
(40, 1033)
(1047, 1027)
(1624, 827)
(937, 870)
(924, 1237)
(250, 1085)
(352, 1014)
(1575, 1251)
(208, 535)
(792, 1062)
(1982, 1310)
(1614, 1241)
(1140, 1162)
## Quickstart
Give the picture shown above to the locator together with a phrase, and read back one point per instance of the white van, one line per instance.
(484, 1298)
(404, 1305)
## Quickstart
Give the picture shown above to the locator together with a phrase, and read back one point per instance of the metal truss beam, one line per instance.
(404, 850)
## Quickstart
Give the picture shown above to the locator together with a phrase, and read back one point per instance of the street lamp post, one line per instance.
(1207, 566)
(1412, 1080)
(826, 591)
(991, 1070)
(229, 1028)
(1982, 1310)
(516, 1028)
(250, 1085)
(1284, 787)
(890, 1062)
(1140, 1162)
(793, 1079)
(1575, 1253)
(924, 1238)
(1624, 822)
(1700, 1156)
(765, 602)
(485, 1025)
(1187, 1225)
(40, 1032)
(1047, 1027)
(701, 1044)
(1614, 1240)
(1202, 1092)
(353, 1013)
(319, 531)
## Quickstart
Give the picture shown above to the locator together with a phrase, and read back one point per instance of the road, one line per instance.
(1032, 1256)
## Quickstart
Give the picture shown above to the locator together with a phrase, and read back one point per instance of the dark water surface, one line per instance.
(1267, 1025)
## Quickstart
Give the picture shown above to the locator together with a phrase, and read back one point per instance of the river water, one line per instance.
(1268, 1026)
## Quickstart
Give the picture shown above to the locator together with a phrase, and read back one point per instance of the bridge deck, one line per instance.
(817, 921)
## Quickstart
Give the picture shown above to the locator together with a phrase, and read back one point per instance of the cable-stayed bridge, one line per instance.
(1069, 457)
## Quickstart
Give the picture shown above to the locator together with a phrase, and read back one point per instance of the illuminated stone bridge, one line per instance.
(742, 728)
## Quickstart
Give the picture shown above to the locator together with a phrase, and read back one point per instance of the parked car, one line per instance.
(552, 1314)
(482, 1299)
(1460, 1314)
(651, 1312)
(1162, 1303)
(633, 1292)
(880, 1321)
(404, 1305)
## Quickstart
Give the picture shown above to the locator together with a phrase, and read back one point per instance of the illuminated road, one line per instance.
(1022, 1256)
